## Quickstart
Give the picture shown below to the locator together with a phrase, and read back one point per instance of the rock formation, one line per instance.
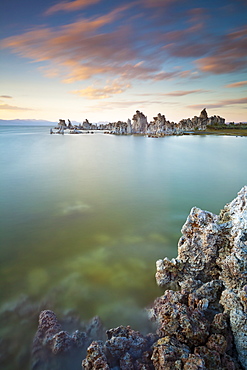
(157, 128)
(129, 126)
(139, 123)
(203, 114)
(208, 285)
(201, 318)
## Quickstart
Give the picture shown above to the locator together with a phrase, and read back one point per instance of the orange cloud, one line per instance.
(237, 84)
(102, 93)
(70, 6)
(81, 50)
(12, 107)
(219, 64)
(6, 96)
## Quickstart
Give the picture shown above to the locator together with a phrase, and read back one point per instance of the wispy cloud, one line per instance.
(13, 107)
(90, 47)
(107, 47)
(81, 50)
(70, 6)
(107, 91)
(136, 104)
(228, 54)
(157, 3)
(186, 92)
(6, 96)
(237, 84)
(221, 103)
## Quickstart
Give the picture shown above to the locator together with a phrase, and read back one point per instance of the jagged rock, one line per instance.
(211, 270)
(86, 125)
(140, 124)
(203, 114)
(177, 319)
(169, 353)
(123, 349)
(96, 358)
(62, 123)
(215, 121)
(129, 126)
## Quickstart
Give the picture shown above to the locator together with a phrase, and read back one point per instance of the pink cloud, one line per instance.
(237, 84)
(70, 6)
(182, 93)
(81, 50)
(221, 103)
(228, 55)
(157, 3)
(219, 64)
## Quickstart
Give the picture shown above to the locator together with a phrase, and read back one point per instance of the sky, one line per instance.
(105, 59)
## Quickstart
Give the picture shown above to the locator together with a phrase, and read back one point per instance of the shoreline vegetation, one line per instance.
(159, 127)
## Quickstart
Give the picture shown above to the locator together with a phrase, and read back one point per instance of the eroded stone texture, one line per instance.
(209, 278)
(124, 349)
(169, 353)
(96, 358)
(177, 319)
(139, 123)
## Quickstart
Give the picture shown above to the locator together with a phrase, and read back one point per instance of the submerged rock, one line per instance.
(201, 318)
(54, 348)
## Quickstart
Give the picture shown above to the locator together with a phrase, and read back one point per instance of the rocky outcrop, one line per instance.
(124, 349)
(215, 121)
(203, 114)
(201, 318)
(161, 127)
(207, 285)
(157, 128)
(139, 123)
(129, 126)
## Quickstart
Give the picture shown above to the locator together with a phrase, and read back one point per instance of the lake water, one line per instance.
(85, 217)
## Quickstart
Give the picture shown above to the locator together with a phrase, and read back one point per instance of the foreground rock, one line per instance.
(201, 318)
(207, 303)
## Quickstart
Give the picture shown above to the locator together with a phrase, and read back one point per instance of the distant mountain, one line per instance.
(26, 122)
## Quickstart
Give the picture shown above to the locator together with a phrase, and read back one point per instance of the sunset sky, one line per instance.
(105, 59)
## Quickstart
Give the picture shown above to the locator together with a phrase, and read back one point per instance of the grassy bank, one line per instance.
(231, 130)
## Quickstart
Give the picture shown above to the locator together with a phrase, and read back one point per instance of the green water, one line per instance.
(85, 217)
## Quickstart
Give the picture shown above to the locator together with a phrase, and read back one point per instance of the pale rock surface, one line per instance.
(212, 265)
(139, 124)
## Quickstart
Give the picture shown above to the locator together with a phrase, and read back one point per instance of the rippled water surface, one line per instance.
(85, 217)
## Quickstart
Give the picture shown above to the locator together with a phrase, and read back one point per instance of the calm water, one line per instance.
(85, 217)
